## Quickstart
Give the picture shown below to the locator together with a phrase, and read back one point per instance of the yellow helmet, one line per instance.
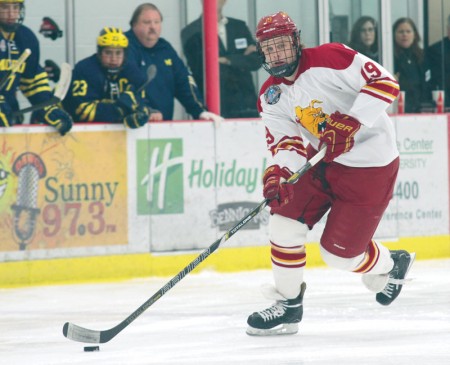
(112, 37)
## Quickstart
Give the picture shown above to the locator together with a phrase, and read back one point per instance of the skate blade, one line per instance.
(282, 329)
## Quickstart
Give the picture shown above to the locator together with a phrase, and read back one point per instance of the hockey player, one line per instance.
(104, 86)
(31, 79)
(335, 98)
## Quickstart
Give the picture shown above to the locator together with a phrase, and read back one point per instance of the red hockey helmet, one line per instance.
(274, 26)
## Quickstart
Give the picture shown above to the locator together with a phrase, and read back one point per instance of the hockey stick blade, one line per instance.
(64, 81)
(151, 73)
(60, 92)
(81, 334)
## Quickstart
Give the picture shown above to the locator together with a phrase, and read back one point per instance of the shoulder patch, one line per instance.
(272, 94)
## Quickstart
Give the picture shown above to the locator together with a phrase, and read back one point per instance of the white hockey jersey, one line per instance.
(331, 77)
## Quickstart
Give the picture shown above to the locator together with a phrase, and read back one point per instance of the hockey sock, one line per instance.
(377, 260)
(287, 266)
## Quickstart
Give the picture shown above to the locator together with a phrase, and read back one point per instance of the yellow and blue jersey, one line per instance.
(31, 78)
(93, 92)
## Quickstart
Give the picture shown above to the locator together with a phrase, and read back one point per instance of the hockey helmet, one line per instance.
(110, 37)
(271, 29)
(12, 27)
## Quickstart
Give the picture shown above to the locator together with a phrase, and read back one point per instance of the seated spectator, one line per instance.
(364, 37)
(439, 57)
(237, 58)
(173, 79)
(410, 66)
(31, 79)
(104, 86)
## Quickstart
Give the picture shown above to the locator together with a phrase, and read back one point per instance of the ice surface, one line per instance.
(202, 320)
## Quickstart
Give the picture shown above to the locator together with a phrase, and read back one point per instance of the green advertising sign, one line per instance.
(160, 176)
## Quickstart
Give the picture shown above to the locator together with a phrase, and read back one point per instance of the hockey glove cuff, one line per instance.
(339, 135)
(58, 118)
(135, 120)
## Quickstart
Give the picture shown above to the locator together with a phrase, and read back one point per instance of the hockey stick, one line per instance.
(59, 94)
(20, 61)
(151, 73)
(81, 334)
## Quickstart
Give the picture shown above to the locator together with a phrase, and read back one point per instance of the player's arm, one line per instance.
(288, 151)
(377, 90)
(35, 86)
(34, 82)
(186, 90)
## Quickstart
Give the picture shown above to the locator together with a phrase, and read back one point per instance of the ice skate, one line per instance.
(281, 318)
(402, 263)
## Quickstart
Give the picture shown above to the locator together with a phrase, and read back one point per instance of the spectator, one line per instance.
(172, 79)
(31, 79)
(439, 57)
(237, 58)
(410, 66)
(104, 85)
(364, 37)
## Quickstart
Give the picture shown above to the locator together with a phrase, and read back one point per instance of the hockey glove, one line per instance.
(127, 102)
(339, 135)
(6, 119)
(58, 118)
(274, 190)
(135, 120)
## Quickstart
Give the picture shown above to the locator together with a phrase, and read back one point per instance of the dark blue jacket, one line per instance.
(172, 80)
(92, 94)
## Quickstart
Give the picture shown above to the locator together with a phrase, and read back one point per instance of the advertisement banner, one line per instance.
(62, 193)
(194, 182)
(422, 184)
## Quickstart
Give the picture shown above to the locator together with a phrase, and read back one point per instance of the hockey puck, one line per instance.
(91, 348)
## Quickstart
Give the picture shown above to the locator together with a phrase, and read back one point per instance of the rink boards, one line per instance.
(108, 203)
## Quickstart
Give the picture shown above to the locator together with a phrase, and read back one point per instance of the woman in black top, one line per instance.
(410, 66)
(364, 37)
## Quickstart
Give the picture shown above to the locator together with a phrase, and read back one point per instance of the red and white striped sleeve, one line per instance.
(378, 89)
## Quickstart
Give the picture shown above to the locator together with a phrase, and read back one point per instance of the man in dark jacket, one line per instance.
(439, 57)
(172, 78)
(237, 58)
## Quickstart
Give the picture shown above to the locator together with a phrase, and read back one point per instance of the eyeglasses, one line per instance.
(368, 30)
